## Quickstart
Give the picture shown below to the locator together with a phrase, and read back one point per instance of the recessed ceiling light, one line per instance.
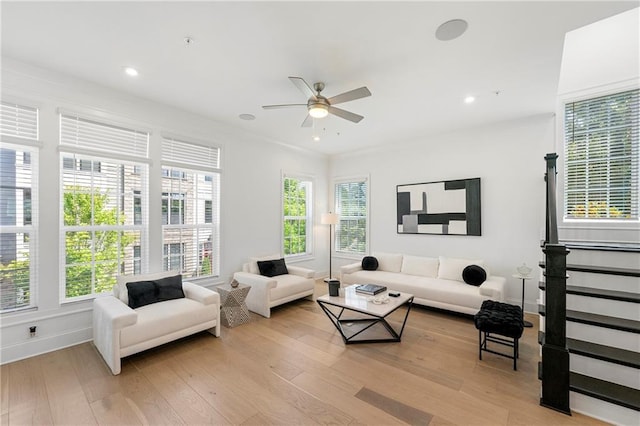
(451, 29)
(316, 138)
(469, 100)
(247, 117)
(131, 71)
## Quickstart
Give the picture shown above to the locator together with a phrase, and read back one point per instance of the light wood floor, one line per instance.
(290, 369)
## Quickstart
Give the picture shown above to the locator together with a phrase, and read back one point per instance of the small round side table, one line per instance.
(523, 278)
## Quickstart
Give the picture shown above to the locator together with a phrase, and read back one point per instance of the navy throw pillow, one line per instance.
(369, 263)
(474, 275)
(169, 288)
(272, 268)
(141, 293)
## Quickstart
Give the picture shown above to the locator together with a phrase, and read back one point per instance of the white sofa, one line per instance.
(268, 292)
(120, 331)
(435, 282)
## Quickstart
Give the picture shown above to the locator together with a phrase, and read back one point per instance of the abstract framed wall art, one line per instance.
(449, 207)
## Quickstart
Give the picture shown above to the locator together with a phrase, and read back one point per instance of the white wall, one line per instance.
(602, 54)
(509, 159)
(250, 195)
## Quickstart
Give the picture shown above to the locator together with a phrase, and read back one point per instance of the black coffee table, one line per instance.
(356, 316)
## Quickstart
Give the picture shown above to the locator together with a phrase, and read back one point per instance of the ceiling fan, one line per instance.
(319, 106)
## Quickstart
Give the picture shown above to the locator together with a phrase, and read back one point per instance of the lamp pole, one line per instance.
(329, 219)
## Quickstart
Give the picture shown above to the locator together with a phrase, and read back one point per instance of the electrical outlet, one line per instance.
(32, 331)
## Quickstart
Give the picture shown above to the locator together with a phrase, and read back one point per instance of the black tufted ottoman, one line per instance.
(503, 319)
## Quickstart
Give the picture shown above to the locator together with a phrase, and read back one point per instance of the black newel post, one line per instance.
(555, 356)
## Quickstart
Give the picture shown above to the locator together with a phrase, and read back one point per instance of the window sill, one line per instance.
(299, 258)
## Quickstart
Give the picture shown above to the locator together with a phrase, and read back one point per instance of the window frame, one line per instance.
(338, 210)
(308, 217)
(572, 227)
(177, 169)
(31, 229)
(91, 151)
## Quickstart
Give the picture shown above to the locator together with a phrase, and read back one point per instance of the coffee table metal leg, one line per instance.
(337, 321)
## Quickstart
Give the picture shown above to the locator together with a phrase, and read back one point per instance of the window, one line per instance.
(601, 158)
(103, 195)
(173, 256)
(190, 207)
(172, 208)
(352, 209)
(18, 212)
(137, 263)
(297, 219)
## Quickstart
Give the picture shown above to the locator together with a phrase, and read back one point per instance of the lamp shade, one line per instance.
(329, 219)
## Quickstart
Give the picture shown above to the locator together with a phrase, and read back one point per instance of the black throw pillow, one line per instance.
(474, 275)
(169, 288)
(369, 263)
(141, 293)
(272, 268)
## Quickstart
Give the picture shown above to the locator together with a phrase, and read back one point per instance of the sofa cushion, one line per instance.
(253, 262)
(169, 288)
(288, 285)
(159, 319)
(369, 263)
(474, 275)
(421, 266)
(389, 262)
(141, 293)
(272, 268)
(451, 268)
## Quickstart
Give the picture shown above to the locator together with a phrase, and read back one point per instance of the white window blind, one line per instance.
(18, 121)
(190, 155)
(91, 135)
(602, 157)
(18, 226)
(351, 207)
(103, 205)
(190, 208)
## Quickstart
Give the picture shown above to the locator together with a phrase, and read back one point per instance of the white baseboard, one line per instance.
(42, 345)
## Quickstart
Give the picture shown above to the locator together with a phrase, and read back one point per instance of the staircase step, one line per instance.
(607, 270)
(601, 352)
(622, 296)
(619, 247)
(606, 391)
(621, 324)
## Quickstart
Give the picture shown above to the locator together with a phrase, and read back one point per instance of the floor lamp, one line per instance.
(329, 219)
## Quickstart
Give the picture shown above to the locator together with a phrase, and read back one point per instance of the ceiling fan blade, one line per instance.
(345, 114)
(308, 121)
(351, 95)
(304, 87)
(282, 106)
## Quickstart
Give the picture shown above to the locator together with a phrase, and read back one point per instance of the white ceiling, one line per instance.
(244, 52)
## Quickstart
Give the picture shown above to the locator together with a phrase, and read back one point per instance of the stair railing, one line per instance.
(555, 355)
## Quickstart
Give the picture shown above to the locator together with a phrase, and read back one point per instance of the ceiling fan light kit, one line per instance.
(319, 106)
(318, 110)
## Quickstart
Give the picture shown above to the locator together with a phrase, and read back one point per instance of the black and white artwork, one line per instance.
(449, 207)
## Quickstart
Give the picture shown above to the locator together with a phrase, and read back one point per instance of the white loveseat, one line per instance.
(120, 331)
(435, 282)
(268, 292)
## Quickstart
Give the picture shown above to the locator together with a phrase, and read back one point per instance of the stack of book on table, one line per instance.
(370, 289)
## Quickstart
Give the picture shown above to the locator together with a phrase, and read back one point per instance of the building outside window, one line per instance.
(601, 161)
(190, 207)
(297, 215)
(351, 204)
(18, 213)
(103, 191)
